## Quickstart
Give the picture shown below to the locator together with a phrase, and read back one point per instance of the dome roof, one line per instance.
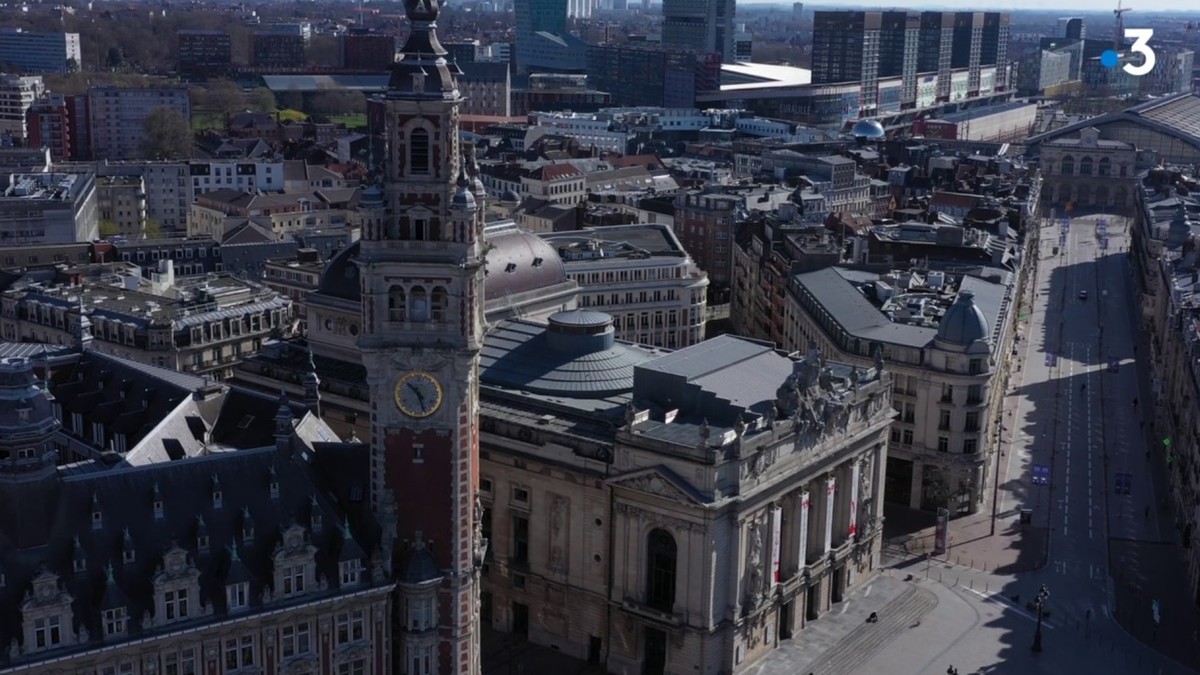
(340, 278)
(510, 196)
(869, 129)
(23, 404)
(420, 567)
(964, 322)
(518, 262)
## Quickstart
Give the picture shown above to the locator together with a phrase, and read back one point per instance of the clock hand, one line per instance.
(420, 396)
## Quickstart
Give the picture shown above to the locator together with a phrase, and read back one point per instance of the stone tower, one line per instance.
(421, 266)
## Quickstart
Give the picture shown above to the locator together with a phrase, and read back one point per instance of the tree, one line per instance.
(153, 228)
(225, 98)
(262, 100)
(167, 135)
(109, 229)
(115, 58)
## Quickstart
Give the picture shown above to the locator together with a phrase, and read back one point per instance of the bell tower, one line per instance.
(421, 266)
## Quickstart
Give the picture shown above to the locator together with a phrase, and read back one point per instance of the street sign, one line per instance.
(1041, 474)
(1157, 616)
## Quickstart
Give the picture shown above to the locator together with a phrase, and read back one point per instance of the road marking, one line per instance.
(867, 592)
(1003, 601)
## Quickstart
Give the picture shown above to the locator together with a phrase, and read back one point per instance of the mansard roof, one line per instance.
(327, 480)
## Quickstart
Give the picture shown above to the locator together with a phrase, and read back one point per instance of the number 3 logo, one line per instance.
(1140, 36)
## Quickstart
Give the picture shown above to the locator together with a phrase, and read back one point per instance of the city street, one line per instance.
(1111, 551)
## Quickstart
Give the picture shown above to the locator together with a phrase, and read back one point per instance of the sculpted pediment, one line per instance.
(660, 482)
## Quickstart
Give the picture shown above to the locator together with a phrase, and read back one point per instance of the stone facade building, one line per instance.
(1089, 172)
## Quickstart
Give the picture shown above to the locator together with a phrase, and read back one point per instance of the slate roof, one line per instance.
(125, 500)
(1175, 116)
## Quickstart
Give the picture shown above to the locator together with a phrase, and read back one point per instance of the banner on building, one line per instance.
(776, 532)
(855, 470)
(803, 538)
(830, 488)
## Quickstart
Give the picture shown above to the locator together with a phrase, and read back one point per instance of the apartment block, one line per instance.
(17, 95)
(121, 201)
(48, 208)
(118, 117)
(281, 50)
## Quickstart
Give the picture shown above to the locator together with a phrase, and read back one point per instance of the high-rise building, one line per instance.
(650, 76)
(534, 17)
(700, 25)
(422, 288)
(1072, 28)
(851, 46)
(364, 49)
(118, 117)
(53, 124)
(205, 53)
(864, 47)
(39, 52)
(277, 49)
(17, 95)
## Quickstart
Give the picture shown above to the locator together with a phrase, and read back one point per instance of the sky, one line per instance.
(1006, 5)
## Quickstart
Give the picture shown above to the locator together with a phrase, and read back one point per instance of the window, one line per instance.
(975, 394)
(1085, 166)
(660, 582)
(158, 509)
(485, 529)
(972, 423)
(114, 621)
(485, 486)
(355, 667)
(520, 495)
(419, 305)
(947, 393)
(238, 596)
(520, 549)
(350, 627)
(975, 366)
(1068, 166)
(943, 444)
(422, 662)
(906, 437)
(183, 663)
(351, 570)
(239, 653)
(295, 640)
(944, 420)
(397, 304)
(293, 579)
(47, 632)
(176, 603)
(420, 613)
(970, 446)
(439, 302)
(418, 151)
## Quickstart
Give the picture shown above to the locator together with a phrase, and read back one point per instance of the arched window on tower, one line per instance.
(397, 304)
(1068, 166)
(418, 305)
(660, 581)
(439, 301)
(418, 151)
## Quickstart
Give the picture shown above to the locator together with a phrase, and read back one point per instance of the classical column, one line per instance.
(802, 500)
(830, 505)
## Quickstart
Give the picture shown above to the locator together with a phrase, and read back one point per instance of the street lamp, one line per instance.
(1039, 601)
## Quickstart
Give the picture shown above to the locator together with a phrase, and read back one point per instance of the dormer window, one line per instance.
(217, 498)
(293, 580)
(97, 520)
(351, 571)
(238, 596)
(316, 521)
(202, 542)
(128, 556)
(158, 509)
(247, 533)
(47, 632)
(274, 488)
(114, 621)
(175, 604)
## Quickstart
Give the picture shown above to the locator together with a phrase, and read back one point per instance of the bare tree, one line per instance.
(167, 135)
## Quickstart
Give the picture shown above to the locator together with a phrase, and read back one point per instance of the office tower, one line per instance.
(1072, 27)
(994, 48)
(797, 9)
(851, 46)
(204, 53)
(276, 49)
(364, 49)
(935, 48)
(17, 95)
(700, 25)
(27, 52)
(533, 17)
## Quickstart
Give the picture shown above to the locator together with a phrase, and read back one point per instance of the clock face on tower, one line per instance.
(418, 394)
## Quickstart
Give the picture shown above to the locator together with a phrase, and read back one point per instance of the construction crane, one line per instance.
(1119, 36)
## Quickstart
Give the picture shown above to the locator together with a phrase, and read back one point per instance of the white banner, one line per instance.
(776, 531)
(855, 468)
(830, 484)
(803, 525)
